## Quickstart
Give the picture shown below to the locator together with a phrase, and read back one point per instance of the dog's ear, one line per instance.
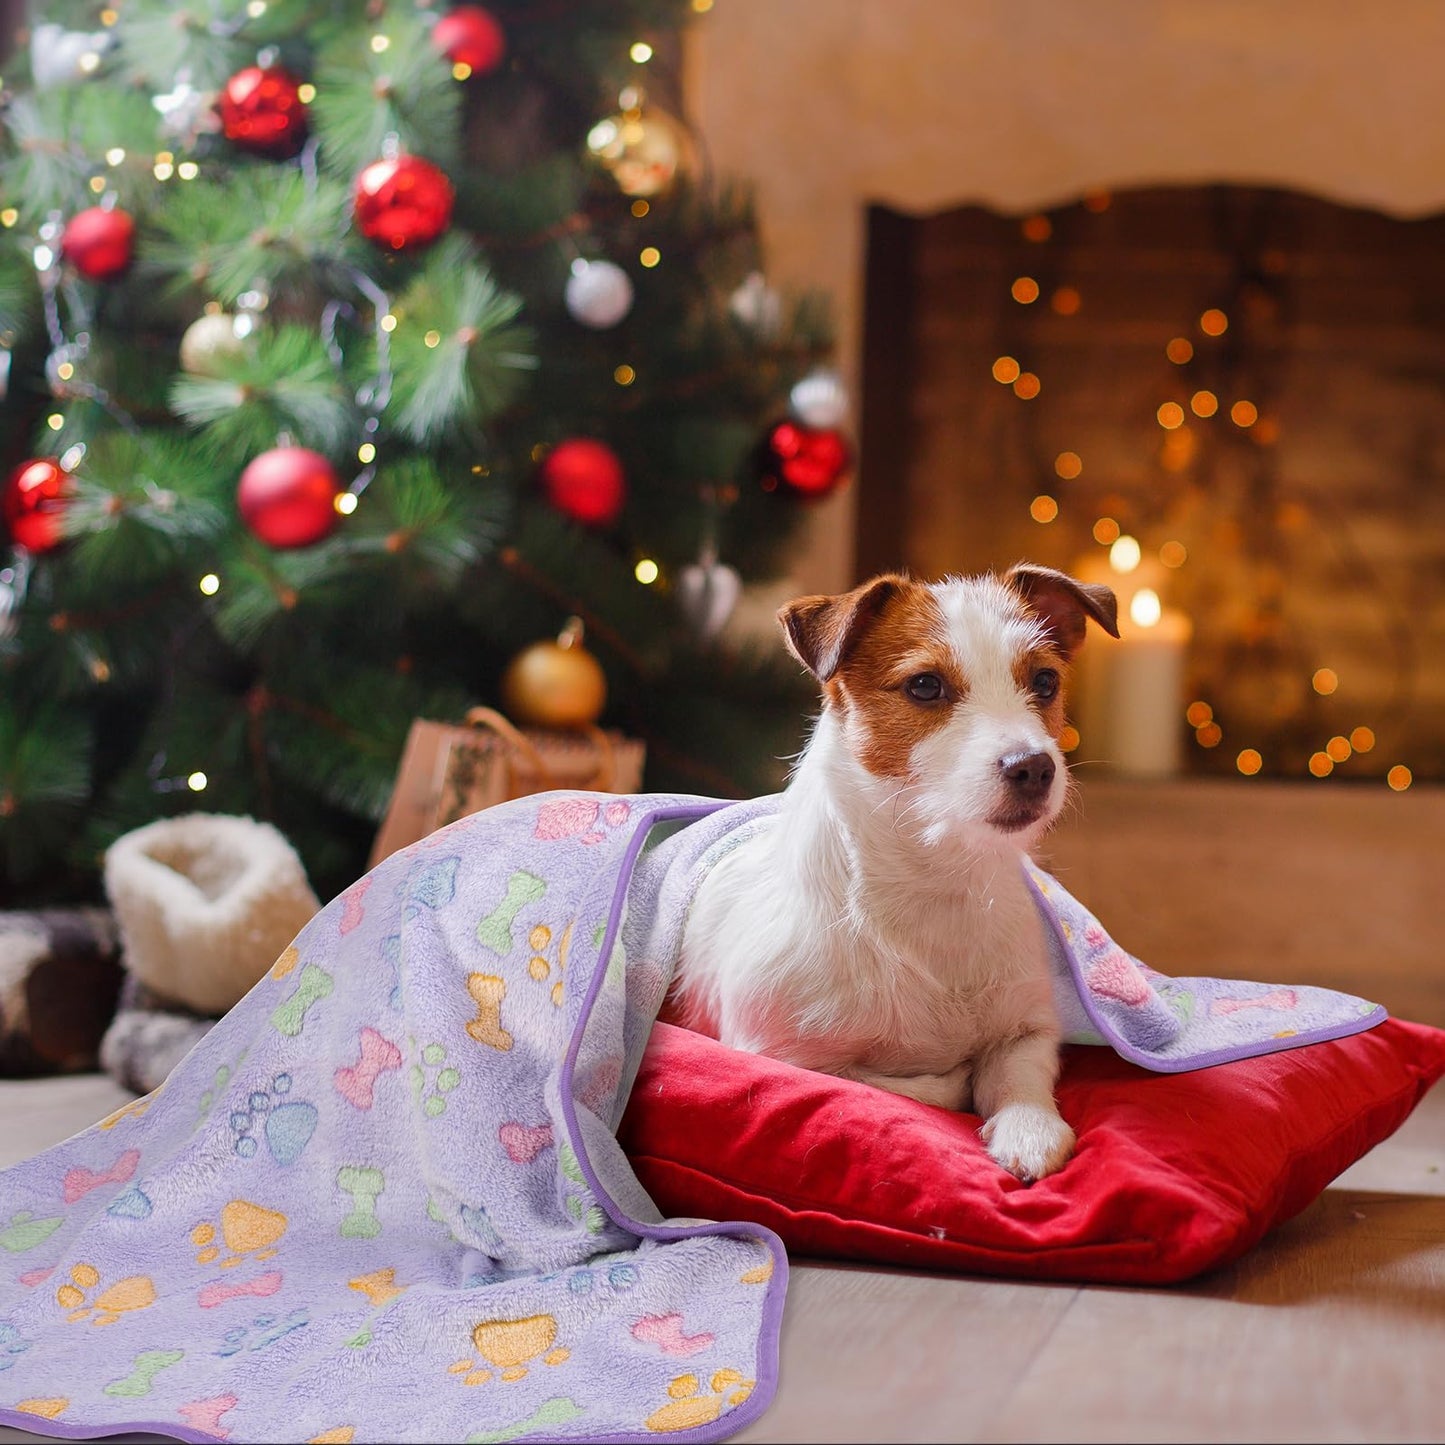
(1062, 604)
(820, 631)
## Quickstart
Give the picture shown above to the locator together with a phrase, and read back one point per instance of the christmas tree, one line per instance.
(348, 349)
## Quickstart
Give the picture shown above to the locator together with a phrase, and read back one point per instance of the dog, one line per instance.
(878, 926)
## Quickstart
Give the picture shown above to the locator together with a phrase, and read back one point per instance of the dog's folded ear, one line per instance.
(1063, 604)
(821, 631)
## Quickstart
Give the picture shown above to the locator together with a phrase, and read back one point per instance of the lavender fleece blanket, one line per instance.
(383, 1199)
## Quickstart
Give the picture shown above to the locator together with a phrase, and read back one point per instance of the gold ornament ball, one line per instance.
(554, 685)
(642, 151)
(207, 341)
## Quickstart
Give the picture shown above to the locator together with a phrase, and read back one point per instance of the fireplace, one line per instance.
(1228, 401)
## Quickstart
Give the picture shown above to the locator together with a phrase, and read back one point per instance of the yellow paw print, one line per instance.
(247, 1230)
(509, 1345)
(125, 1296)
(538, 967)
(689, 1408)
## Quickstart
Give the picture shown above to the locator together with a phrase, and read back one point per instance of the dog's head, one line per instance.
(951, 693)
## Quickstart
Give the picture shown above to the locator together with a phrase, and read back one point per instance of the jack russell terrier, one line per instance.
(880, 927)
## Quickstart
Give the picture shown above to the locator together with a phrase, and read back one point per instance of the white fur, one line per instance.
(880, 928)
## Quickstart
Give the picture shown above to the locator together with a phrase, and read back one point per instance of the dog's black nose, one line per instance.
(1028, 774)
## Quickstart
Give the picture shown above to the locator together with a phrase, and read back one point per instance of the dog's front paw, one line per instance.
(1029, 1140)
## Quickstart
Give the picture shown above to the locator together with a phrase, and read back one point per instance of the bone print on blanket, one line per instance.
(384, 1199)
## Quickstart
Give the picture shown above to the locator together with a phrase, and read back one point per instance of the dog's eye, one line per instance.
(926, 687)
(1045, 684)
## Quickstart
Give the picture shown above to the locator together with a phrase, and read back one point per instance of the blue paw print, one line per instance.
(12, 1345)
(286, 1124)
(262, 1331)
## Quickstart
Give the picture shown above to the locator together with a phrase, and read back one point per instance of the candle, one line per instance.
(1129, 693)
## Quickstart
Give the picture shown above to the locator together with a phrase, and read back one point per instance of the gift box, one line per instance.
(449, 770)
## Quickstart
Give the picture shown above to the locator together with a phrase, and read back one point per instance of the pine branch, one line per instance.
(265, 228)
(284, 382)
(44, 781)
(161, 42)
(457, 358)
(365, 95)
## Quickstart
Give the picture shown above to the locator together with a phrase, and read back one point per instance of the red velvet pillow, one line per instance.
(1174, 1173)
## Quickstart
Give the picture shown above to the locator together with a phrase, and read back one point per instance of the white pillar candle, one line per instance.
(1129, 693)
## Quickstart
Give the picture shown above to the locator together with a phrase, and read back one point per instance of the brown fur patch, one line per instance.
(907, 637)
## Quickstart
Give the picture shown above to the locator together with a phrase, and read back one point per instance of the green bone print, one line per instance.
(495, 930)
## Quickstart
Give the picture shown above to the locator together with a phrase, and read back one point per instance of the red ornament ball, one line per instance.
(470, 36)
(584, 479)
(287, 497)
(261, 110)
(99, 242)
(403, 201)
(812, 461)
(33, 503)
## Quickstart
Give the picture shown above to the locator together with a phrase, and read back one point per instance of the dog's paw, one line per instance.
(1028, 1140)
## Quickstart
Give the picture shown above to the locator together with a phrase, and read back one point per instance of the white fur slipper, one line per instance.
(205, 903)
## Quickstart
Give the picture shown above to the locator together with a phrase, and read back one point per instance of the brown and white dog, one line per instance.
(878, 927)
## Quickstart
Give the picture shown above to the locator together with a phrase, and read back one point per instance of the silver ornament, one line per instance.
(598, 293)
(4, 371)
(13, 582)
(707, 593)
(60, 57)
(757, 306)
(820, 399)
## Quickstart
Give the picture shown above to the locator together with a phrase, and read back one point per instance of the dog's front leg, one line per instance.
(1013, 1088)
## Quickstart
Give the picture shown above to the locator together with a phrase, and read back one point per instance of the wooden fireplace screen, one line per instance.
(1248, 381)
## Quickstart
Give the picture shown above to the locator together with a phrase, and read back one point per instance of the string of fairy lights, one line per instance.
(1177, 451)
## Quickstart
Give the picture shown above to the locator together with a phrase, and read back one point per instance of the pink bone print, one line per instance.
(1281, 998)
(79, 1181)
(578, 818)
(352, 908)
(218, 1292)
(1115, 976)
(522, 1143)
(356, 1083)
(33, 1277)
(665, 1331)
(205, 1415)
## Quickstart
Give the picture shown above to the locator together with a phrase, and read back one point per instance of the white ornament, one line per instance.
(185, 111)
(707, 593)
(208, 339)
(820, 399)
(598, 294)
(757, 306)
(12, 593)
(59, 56)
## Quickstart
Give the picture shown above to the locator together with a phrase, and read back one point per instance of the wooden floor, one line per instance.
(1333, 1329)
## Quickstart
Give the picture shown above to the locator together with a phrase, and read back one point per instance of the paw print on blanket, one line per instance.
(585, 819)
(262, 1332)
(510, 1347)
(24, 1231)
(538, 967)
(12, 1345)
(432, 1079)
(576, 1204)
(248, 1231)
(125, 1296)
(691, 1406)
(287, 1124)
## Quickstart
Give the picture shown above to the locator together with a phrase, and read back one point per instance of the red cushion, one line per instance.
(1174, 1173)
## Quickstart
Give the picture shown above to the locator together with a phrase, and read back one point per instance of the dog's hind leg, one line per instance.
(943, 1091)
